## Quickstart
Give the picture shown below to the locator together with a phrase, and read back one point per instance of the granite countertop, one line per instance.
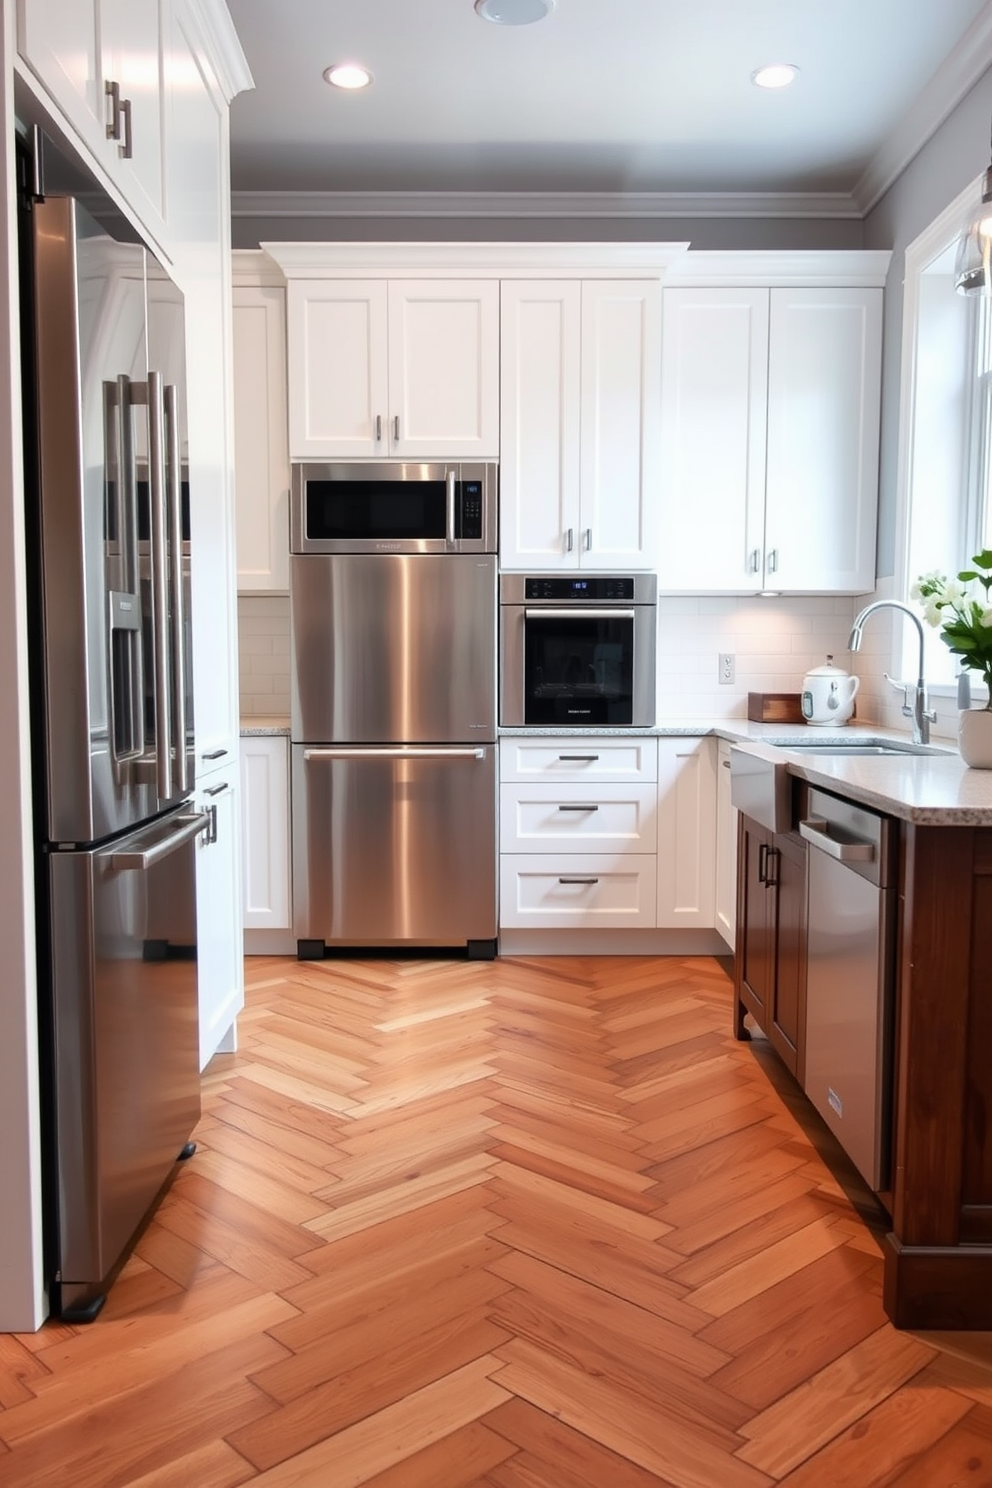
(935, 789)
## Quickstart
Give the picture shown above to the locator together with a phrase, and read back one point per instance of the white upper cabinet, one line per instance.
(101, 61)
(261, 449)
(770, 428)
(579, 401)
(401, 369)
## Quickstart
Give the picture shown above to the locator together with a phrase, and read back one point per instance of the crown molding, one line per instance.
(955, 76)
(474, 260)
(522, 205)
(222, 46)
(804, 268)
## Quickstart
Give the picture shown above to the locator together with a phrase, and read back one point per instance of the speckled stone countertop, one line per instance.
(257, 727)
(934, 789)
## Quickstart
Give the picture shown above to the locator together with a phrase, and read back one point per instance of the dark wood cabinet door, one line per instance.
(756, 927)
(786, 1024)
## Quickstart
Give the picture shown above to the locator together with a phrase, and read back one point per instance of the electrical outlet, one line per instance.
(726, 667)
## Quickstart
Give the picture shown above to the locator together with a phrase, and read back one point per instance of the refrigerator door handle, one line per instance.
(190, 825)
(126, 681)
(158, 546)
(177, 626)
(371, 751)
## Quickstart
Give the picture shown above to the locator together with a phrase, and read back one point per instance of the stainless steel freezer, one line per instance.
(394, 759)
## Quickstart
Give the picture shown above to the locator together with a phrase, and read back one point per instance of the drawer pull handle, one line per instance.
(581, 759)
(214, 754)
(216, 790)
(578, 808)
(578, 880)
(725, 764)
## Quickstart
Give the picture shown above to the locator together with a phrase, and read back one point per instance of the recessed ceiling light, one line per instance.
(513, 12)
(775, 75)
(347, 75)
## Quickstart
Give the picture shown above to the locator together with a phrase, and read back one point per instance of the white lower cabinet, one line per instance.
(726, 849)
(220, 976)
(584, 891)
(265, 818)
(578, 833)
(686, 833)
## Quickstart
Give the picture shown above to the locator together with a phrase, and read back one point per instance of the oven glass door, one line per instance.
(578, 667)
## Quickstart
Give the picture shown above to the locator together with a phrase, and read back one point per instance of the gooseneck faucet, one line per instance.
(921, 715)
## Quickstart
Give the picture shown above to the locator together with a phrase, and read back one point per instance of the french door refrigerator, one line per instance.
(107, 532)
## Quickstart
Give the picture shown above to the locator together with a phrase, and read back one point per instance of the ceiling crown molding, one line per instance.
(474, 260)
(955, 76)
(222, 46)
(282, 205)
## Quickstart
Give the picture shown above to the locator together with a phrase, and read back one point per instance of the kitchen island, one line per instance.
(938, 1254)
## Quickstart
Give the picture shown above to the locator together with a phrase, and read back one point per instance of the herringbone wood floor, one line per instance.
(531, 1224)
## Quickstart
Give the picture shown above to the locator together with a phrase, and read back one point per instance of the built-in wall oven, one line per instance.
(578, 651)
(393, 706)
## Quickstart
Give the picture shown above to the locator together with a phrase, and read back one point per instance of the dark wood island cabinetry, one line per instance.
(770, 956)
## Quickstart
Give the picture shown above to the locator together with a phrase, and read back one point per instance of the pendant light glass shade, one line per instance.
(973, 265)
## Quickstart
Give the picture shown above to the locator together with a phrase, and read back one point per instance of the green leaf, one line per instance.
(967, 575)
(983, 559)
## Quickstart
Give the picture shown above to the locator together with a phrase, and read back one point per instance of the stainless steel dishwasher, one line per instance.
(849, 987)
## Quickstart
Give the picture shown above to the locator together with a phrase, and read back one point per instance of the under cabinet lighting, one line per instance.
(349, 75)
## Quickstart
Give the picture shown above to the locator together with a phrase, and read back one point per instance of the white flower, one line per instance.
(985, 619)
(954, 592)
(931, 612)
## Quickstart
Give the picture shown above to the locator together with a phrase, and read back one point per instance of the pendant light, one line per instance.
(973, 265)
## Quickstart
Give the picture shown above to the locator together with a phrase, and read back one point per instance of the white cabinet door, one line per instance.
(714, 406)
(686, 832)
(726, 849)
(619, 423)
(59, 40)
(585, 891)
(824, 370)
(266, 832)
(134, 42)
(261, 447)
(444, 369)
(581, 760)
(540, 330)
(220, 967)
(197, 187)
(77, 49)
(338, 390)
(578, 818)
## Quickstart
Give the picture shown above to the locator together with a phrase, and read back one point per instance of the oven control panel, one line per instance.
(607, 586)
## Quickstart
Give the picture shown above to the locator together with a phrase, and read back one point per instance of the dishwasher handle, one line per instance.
(815, 830)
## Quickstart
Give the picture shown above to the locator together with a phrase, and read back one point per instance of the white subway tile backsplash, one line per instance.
(263, 631)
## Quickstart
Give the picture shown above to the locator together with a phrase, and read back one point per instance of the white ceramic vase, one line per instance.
(975, 737)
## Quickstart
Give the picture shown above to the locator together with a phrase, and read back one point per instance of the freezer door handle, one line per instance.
(177, 615)
(158, 526)
(190, 825)
(374, 752)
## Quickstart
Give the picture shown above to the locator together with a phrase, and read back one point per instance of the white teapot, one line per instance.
(828, 695)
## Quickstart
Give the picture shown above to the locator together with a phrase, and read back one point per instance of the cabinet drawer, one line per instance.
(579, 759)
(611, 818)
(550, 892)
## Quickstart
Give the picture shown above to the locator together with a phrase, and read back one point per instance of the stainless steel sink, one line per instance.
(844, 751)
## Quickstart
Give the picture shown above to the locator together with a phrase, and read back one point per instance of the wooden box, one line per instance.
(774, 707)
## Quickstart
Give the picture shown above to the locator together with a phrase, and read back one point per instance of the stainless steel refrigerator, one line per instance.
(108, 533)
(393, 750)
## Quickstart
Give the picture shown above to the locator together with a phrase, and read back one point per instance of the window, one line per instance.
(945, 463)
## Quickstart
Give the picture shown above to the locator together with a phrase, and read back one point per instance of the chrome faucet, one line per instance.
(918, 711)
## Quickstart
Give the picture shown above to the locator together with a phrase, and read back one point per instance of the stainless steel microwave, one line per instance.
(393, 507)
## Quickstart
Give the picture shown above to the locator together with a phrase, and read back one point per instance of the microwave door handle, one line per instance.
(450, 482)
(177, 627)
(159, 584)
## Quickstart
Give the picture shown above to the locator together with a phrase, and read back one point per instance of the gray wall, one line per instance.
(711, 233)
(955, 156)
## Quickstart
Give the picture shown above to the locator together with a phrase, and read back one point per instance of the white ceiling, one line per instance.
(602, 96)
